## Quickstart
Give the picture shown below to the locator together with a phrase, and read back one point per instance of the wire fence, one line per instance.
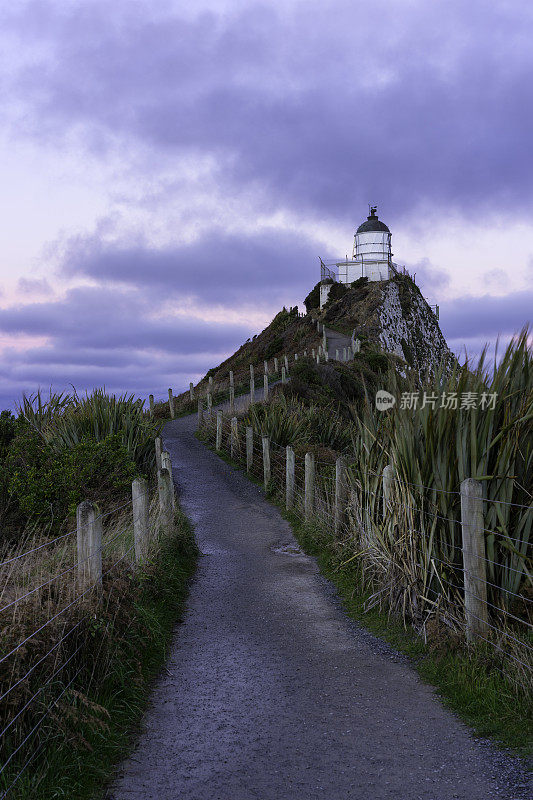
(51, 597)
(430, 566)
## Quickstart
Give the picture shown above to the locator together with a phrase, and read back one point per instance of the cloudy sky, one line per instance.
(171, 173)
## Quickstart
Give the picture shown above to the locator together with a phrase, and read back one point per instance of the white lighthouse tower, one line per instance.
(371, 257)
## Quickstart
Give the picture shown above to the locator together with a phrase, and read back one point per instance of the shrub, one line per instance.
(46, 485)
(273, 348)
(8, 427)
(378, 362)
(337, 291)
(313, 298)
(37, 479)
(359, 283)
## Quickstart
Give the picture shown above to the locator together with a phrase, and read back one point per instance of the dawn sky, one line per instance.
(170, 175)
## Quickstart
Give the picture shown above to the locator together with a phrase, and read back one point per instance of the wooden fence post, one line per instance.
(249, 449)
(141, 521)
(218, 444)
(283, 375)
(309, 495)
(388, 483)
(336, 355)
(289, 477)
(210, 385)
(286, 363)
(89, 543)
(82, 515)
(275, 366)
(200, 412)
(266, 367)
(252, 384)
(191, 392)
(234, 437)
(95, 547)
(231, 399)
(158, 453)
(166, 492)
(166, 463)
(326, 355)
(209, 402)
(313, 353)
(265, 387)
(341, 491)
(151, 401)
(266, 461)
(474, 565)
(296, 356)
(171, 404)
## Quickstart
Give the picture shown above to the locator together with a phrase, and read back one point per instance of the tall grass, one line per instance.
(64, 420)
(289, 422)
(434, 450)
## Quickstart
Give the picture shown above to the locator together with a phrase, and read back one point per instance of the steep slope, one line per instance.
(392, 320)
(394, 316)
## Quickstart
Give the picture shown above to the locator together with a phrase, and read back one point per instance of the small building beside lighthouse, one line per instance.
(371, 257)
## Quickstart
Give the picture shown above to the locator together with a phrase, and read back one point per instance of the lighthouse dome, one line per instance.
(372, 223)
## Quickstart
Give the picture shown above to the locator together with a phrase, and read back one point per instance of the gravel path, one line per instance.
(271, 692)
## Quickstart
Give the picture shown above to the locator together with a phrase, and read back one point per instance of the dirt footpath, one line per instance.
(271, 692)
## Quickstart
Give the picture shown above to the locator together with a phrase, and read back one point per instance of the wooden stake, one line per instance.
(475, 575)
(249, 449)
(309, 496)
(289, 477)
(266, 461)
(141, 521)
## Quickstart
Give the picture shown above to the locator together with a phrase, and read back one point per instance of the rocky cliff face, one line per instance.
(394, 315)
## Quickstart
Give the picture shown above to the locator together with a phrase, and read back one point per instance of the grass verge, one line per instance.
(94, 725)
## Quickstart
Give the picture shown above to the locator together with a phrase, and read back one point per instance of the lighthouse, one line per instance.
(371, 257)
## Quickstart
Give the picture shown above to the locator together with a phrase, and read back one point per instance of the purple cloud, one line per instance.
(309, 106)
(110, 337)
(486, 316)
(265, 267)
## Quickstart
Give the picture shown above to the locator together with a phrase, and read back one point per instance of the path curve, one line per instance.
(270, 691)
